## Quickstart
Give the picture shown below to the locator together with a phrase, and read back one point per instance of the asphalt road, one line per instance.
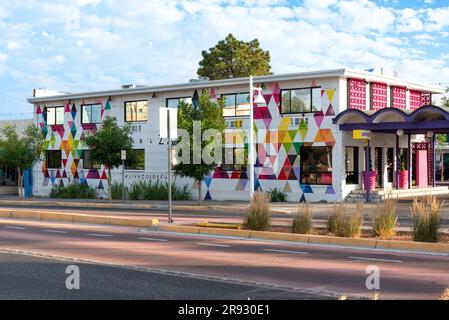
(307, 270)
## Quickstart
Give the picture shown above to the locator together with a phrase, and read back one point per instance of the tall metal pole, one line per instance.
(397, 162)
(169, 169)
(409, 161)
(367, 170)
(251, 140)
(123, 179)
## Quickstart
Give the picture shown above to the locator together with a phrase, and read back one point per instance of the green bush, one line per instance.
(116, 191)
(258, 217)
(156, 191)
(276, 195)
(426, 216)
(384, 218)
(302, 220)
(336, 219)
(73, 191)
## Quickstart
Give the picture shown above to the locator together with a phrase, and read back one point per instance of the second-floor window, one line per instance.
(301, 100)
(236, 104)
(136, 111)
(174, 102)
(55, 115)
(91, 113)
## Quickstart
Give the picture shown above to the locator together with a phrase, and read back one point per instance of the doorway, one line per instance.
(378, 166)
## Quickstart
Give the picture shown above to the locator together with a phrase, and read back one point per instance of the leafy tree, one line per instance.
(232, 58)
(210, 115)
(20, 151)
(106, 146)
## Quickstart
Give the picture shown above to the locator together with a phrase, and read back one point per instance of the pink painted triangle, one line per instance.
(319, 116)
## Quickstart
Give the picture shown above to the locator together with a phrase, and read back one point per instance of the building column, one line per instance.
(433, 161)
(397, 162)
(409, 161)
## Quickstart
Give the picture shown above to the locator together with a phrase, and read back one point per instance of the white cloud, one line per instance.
(3, 57)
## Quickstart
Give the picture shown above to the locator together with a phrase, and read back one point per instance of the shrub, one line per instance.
(116, 191)
(157, 191)
(353, 223)
(384, 218)
(258, 217)
(276, 195)
(343, 225)
(426, 215)
(444, 295)
(73, 191)
(302, 220)
(335, 220)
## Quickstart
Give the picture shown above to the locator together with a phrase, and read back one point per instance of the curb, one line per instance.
(315, 239)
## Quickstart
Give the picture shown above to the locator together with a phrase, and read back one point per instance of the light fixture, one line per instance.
(259, 99)
(429, 134)
(400, 132)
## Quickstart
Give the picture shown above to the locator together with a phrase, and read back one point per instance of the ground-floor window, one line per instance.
(89, 162)
(53, 159)
(234, 159)
(316, 165)
(139, 164)
(352, 165)
(441, 166)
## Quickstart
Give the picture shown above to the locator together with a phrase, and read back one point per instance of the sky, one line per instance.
(85, 45)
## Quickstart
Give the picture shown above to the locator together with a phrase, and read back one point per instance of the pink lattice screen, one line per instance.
(378, 95)
(398, 97)
(357, 94)
(415, 99)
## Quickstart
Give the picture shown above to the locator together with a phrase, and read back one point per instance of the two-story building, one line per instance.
(305, 133)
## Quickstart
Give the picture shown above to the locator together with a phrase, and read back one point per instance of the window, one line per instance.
(91, 113)
(136, 111)
(140, 161)
(301, 100)
(316, 165)
(174, 102)
(53, 159)
(352, 165)
(234, 159)
(89, 162)
(55, 115)
(236, 104)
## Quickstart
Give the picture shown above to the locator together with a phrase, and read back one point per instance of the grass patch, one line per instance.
(73, 191)
(276, 195)
(156, 191)
(302, 220)
(258, 217)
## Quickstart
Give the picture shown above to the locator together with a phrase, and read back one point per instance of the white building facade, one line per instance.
(300, 147)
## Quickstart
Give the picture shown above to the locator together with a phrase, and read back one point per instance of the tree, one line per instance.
(232, 58)
(210, 116)
(20, 151)
(106, 146)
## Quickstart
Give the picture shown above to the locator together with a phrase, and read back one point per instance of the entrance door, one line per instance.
(390, 164)
(378, 167)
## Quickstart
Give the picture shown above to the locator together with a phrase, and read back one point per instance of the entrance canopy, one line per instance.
(422, 120)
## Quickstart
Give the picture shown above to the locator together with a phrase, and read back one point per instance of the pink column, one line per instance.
(421, 168)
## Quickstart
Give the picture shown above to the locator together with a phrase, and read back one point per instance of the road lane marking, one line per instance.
(285, 251)
(376, 259)
(99, 235)
(55, 231)
(16, 228)
(153, 239)
(213, 244)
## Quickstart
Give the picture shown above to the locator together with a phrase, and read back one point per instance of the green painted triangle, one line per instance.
(303, 128)
(292, 134)
(297, 146)
(107, 106)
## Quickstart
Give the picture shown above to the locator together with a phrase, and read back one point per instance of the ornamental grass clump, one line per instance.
(258, 217)
(426, 215)
(343, 225)
(384, 218)
(302, 219)
(335, 220)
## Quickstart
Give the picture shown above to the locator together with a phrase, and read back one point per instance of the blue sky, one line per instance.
(83, 45)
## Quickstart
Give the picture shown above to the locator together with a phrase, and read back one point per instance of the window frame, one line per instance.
(131, 101)
(90, 105)
(127, 167)
(316, 172)
(233, 166)
(293, 89)
(95, 164)
(176, 98)
(47, 159)
(356, 166)
(235, 104)
(56, 115)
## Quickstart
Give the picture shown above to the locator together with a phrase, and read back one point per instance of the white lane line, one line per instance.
(99, 235)
(286, 251)
(376, 259)
(55, 231)
(213, 244)
(153, 239)
(16, 228)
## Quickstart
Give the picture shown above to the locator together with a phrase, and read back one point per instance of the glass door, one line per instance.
(378, 167)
